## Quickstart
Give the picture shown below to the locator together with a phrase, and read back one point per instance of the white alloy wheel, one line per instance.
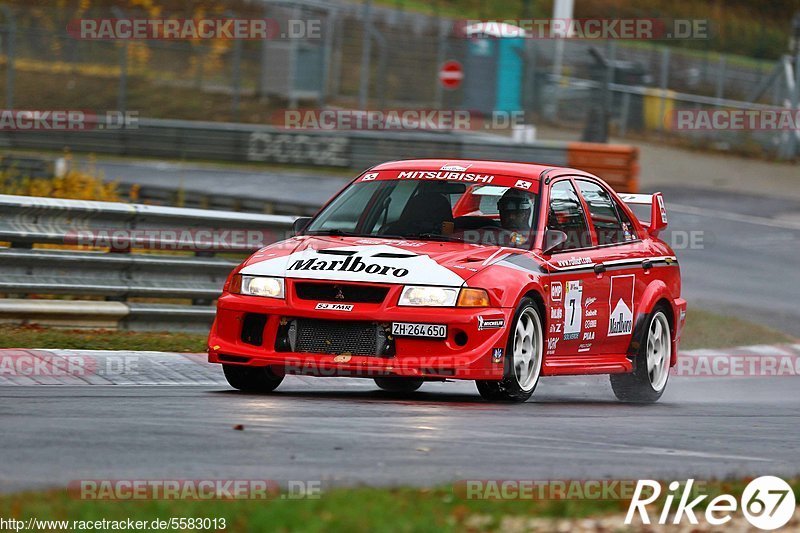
(659, 351)
(527, 353)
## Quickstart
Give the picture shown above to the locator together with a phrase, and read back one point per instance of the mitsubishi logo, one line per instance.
(339, 293)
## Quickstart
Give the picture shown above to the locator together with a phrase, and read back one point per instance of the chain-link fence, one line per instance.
(366, 56)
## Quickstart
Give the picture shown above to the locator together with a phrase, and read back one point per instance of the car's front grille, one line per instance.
(308, 335)
(340, 292)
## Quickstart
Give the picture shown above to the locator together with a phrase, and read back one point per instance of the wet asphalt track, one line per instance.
(345, 431)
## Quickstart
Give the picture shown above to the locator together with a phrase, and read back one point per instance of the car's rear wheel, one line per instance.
(648, 381)
(523, 358)
(252, 378)
(398, 384)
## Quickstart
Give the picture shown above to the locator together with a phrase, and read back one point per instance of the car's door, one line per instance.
(576, 290)
(619, 255)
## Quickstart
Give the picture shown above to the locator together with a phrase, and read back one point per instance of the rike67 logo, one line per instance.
(767, 502)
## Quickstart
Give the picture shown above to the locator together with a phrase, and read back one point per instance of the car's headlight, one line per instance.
(258, 286)
(428, 296)
(415, 295)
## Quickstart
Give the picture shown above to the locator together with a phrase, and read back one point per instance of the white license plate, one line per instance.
(407, 329)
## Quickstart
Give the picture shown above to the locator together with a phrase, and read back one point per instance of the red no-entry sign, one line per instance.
(450, 74)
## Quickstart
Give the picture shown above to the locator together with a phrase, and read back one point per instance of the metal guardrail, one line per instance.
(169, 195)
(32, 167)
(154, 281)
(31, 220)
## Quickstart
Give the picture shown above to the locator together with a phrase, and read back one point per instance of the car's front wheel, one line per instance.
(523, 358)
(252, 378)
(647, 382)
(398, 384)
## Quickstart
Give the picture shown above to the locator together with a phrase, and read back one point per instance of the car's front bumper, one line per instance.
(679, 311)
(468, 352)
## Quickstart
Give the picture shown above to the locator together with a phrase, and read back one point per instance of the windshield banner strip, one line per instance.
(471, 178)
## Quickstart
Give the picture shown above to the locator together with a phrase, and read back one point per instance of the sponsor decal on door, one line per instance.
(556, 291)
(620, 301)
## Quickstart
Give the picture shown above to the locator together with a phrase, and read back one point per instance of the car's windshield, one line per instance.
(431, 210)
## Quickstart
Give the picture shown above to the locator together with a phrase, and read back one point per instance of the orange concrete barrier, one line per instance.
(617, 164)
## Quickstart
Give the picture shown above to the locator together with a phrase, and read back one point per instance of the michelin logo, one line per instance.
(490, 323)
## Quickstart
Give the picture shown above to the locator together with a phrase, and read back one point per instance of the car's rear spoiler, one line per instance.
(658, 213)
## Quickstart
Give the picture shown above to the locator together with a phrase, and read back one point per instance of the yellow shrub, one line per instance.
(75, 183)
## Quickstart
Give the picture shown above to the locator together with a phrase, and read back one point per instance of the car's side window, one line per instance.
(566, 214)
(394, 203)
(345, 211)
(628, 229)
(605, 215)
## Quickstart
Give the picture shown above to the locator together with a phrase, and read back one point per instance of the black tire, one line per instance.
(637, 386)
(399, 384)
(252, 378)
(509, 389)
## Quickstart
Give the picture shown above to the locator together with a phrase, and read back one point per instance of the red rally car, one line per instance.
(431, 270)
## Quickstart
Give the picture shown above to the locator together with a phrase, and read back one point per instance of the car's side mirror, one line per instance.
(553, 238)
(300, 224)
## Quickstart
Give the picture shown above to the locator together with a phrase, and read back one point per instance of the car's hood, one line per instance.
(373, 260)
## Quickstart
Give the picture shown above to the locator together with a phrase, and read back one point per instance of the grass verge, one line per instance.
(703, 330)
(81, 339)
(354, 509)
